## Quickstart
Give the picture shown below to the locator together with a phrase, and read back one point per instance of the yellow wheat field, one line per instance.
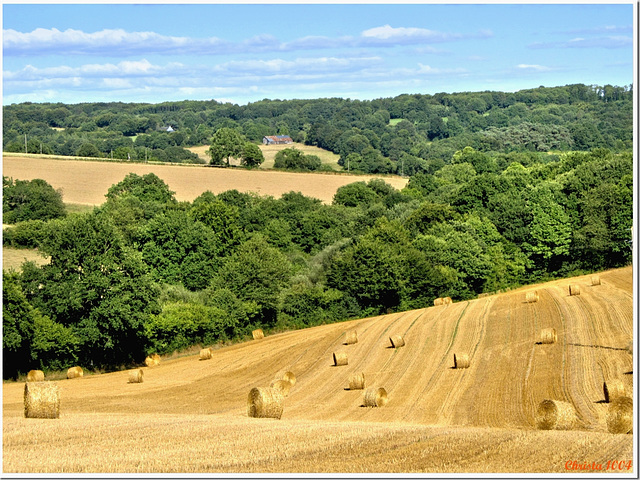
(191, 417)
(87, 182)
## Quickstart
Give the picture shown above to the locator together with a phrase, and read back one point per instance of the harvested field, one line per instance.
(438, 419)
(87, 182)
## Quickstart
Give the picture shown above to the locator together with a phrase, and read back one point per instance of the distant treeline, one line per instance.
(401, 135)
(145, 273)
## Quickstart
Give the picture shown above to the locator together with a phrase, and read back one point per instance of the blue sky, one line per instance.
(242, 53)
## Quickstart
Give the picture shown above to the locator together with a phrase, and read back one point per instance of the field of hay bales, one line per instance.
(192, 416)
(87, 182)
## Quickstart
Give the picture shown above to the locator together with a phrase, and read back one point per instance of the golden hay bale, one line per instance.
(438, 301)
(136, 376)
(351, 337)
(375, 397)
(290, 377)
(205, 354)
(156, 358)
(75, 372)
(396, 341)
(447, 300)
(461, 360)
(548, 335)
(555, 415)
(595, 280)
(620, 415)
(340, 358)
(35, 376)
(282, 386)
(574, 289)
(41, 400)
(149, 362)
(613, 389)
(532, 297)
(265, 403)
(258, 334)
(630, 347)
(356, 382)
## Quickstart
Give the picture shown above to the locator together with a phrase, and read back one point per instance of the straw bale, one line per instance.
(339, 359)
(574, 289)
(351, 337)
(290, 377)
(595, 280)
(447, 300)
(75, 372)
(265, 403)
(205, 354)
(532, 297)
(356, 382)
(258, 334)
(613, 389)
(375, 397)
(149, 362)
(438, 301)
(35, 376)
(282, 386)
(136, 376)
(555, 415)
(620, 415)
(397, 341)
(41, 400)
(548, 335)
(630, 347)
(156, 358)
(461, 360)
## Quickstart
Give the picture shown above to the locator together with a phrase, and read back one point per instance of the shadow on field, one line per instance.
(597, 346)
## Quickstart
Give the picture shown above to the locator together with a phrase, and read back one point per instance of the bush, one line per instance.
(30, 200)
(27, 234)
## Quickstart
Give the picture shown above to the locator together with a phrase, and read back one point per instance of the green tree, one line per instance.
(30, 200)
(225, 143)
(147, 188)
(252, 156)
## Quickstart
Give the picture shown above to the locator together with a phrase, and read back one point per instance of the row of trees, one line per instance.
(397, 135)
(144, 272)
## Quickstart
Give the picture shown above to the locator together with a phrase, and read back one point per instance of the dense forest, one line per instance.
(401, 135)
(490, 205)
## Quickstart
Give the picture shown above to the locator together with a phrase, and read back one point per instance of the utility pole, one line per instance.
(25, 143)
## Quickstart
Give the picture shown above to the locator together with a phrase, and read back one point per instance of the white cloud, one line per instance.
(538, 68)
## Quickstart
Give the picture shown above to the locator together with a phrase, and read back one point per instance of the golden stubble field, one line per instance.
(190, 416)
(87, 182)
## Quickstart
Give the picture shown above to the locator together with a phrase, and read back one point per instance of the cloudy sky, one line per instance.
(241, 53)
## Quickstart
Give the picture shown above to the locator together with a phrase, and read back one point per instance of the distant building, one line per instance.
(276, 139)
(168, 129)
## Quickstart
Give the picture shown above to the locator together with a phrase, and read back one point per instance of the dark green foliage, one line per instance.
(251, 155)
(147, 188)
(294, 159)
(30, 200)
(27, 234)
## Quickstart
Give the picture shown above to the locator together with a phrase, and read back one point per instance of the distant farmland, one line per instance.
(87, 182)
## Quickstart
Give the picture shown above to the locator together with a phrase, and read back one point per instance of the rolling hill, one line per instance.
(191, 416)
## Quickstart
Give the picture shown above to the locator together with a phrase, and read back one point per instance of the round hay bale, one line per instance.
(351, 337)
(396, 341)
(555, 415)
(265, 403)
(156, 358)
(356, 382)
(630, 347)
(532, 297)
(438, 301)
(258, 334)
(136, 376)
(75, 372)
(205, 354)
(548, 335)
(149, 362)
(613, 389)
(461, 360)
(35, 376)
(290, 377)
(574, 289)
(375, 397)
(339, 359)
(447, 301)
(282, 386)
(595, 280)
(41, 400)
(620, 415)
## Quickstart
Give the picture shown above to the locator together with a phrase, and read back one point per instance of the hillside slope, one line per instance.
(510, 373)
